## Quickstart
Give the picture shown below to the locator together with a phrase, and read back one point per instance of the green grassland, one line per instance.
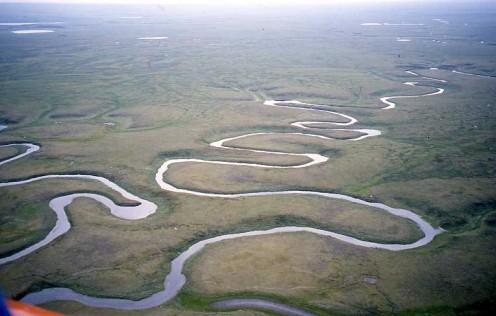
(170, 99)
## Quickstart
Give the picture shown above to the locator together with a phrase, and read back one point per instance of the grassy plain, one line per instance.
(170, 99)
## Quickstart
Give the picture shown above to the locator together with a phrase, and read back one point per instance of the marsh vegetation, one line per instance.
(171, 98)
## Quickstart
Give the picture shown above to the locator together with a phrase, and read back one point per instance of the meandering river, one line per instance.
(175, 280)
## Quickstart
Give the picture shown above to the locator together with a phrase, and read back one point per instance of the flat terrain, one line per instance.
(99, 101)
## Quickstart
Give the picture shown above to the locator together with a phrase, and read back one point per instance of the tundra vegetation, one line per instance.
(99, 101)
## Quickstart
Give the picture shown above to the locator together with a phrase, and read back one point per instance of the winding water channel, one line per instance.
(237, 303)
(175, 280)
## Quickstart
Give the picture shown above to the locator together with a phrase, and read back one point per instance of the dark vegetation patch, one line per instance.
(67, 115)
(479, 308)
(490, 220)
(463, 219)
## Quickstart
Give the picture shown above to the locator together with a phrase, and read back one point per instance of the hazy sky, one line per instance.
(232, 2)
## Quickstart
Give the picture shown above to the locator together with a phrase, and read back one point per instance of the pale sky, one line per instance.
(230, 2)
